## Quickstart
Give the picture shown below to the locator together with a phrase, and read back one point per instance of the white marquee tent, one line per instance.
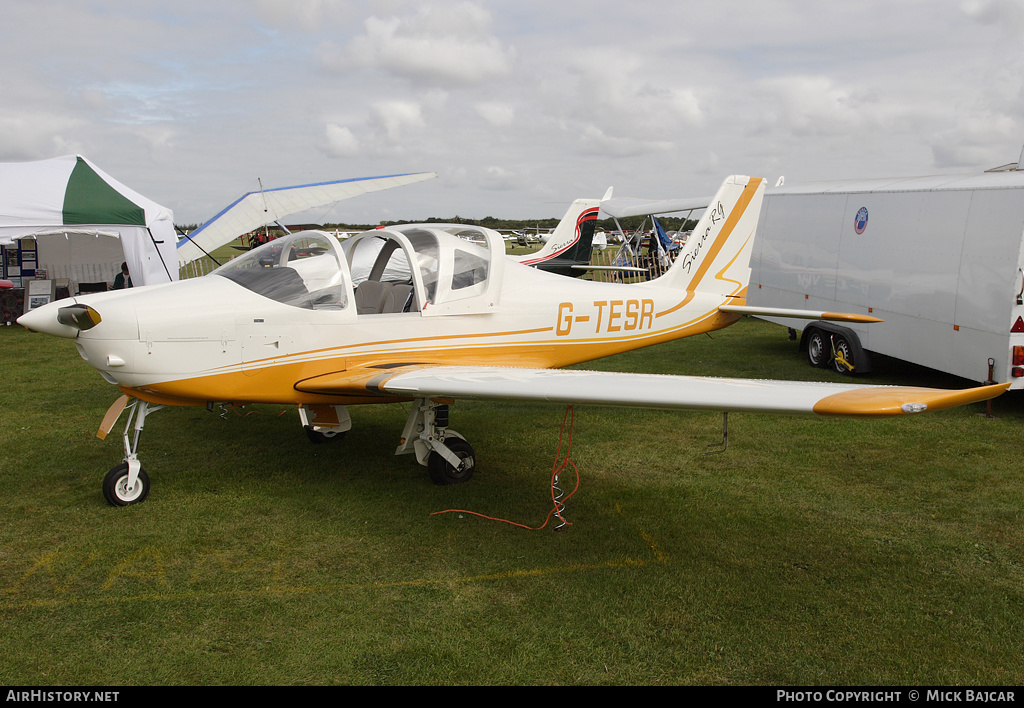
(75, 211)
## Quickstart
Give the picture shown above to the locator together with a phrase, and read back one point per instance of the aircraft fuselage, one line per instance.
(209, 339)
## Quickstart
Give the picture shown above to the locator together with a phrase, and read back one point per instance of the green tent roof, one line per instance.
(90, 200)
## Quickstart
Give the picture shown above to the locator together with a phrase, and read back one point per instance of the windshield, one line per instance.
(302, 270)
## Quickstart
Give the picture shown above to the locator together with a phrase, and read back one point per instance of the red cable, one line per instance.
(556, 468)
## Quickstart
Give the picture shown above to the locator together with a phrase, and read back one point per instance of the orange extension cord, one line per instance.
(556, 469)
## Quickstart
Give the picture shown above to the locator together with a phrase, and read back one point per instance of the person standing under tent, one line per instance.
(123, 279)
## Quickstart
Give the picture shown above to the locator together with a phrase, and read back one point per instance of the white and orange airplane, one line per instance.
(286, 324)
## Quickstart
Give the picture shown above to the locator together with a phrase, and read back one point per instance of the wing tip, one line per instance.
(850, 317)
(902, 400)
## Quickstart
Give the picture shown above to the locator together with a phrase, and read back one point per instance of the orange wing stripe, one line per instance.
(885, 401)
(849, 317)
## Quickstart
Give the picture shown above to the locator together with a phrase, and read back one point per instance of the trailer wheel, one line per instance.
(842, 355)
(817, 349)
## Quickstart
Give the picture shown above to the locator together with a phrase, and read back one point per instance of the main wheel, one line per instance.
(441, 471)
(325, 435)
(116, 490)
(817, 349)
(842, 355)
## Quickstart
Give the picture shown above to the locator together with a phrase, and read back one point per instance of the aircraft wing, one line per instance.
(644, 390)
(800, 314)
(621, 207)
(253, 210)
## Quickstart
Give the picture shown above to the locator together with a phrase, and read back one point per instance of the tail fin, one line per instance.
(716, 257)
(571, 243)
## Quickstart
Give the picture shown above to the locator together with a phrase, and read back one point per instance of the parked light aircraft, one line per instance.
(628, 255)
(286, 324)
(568, 250)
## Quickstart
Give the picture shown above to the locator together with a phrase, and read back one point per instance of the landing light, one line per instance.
(915, 407)
(81, 316)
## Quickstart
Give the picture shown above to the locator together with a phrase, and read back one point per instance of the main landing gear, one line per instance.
(448, 457)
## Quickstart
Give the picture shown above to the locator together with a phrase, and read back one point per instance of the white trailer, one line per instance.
(939, 259)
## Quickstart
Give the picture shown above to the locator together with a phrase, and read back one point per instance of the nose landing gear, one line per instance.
(127, 483)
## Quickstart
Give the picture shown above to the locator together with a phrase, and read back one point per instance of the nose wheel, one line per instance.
(127, 483)
(119, 490)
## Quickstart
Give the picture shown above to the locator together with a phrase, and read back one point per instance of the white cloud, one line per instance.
(307, 15)
(594, 141)
(340, 142)
(1005, 14)
(35, 135)
(442, 45)
(969, 142)
(396, 119)
(629, 104)
(520, 106)
(500, 179)
(812, 105)
(500, 115)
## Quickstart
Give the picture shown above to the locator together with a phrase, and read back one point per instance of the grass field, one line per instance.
(813, 551)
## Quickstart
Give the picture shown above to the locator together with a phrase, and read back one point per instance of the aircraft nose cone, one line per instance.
(44, 319)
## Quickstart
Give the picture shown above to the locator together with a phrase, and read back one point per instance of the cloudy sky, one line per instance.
(520, 106)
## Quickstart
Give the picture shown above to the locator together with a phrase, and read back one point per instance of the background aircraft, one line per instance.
(567, 251)
(287, 324)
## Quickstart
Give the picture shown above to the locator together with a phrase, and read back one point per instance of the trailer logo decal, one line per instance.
(860, 222)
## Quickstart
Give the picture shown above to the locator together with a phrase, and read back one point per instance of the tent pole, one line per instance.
(153, 239)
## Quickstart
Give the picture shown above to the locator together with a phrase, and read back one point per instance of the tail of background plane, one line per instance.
(716, 257)
(572, 241)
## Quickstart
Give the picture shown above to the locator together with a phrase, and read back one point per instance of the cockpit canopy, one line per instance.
(449, 273)
(304, 270)
(410, 268)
